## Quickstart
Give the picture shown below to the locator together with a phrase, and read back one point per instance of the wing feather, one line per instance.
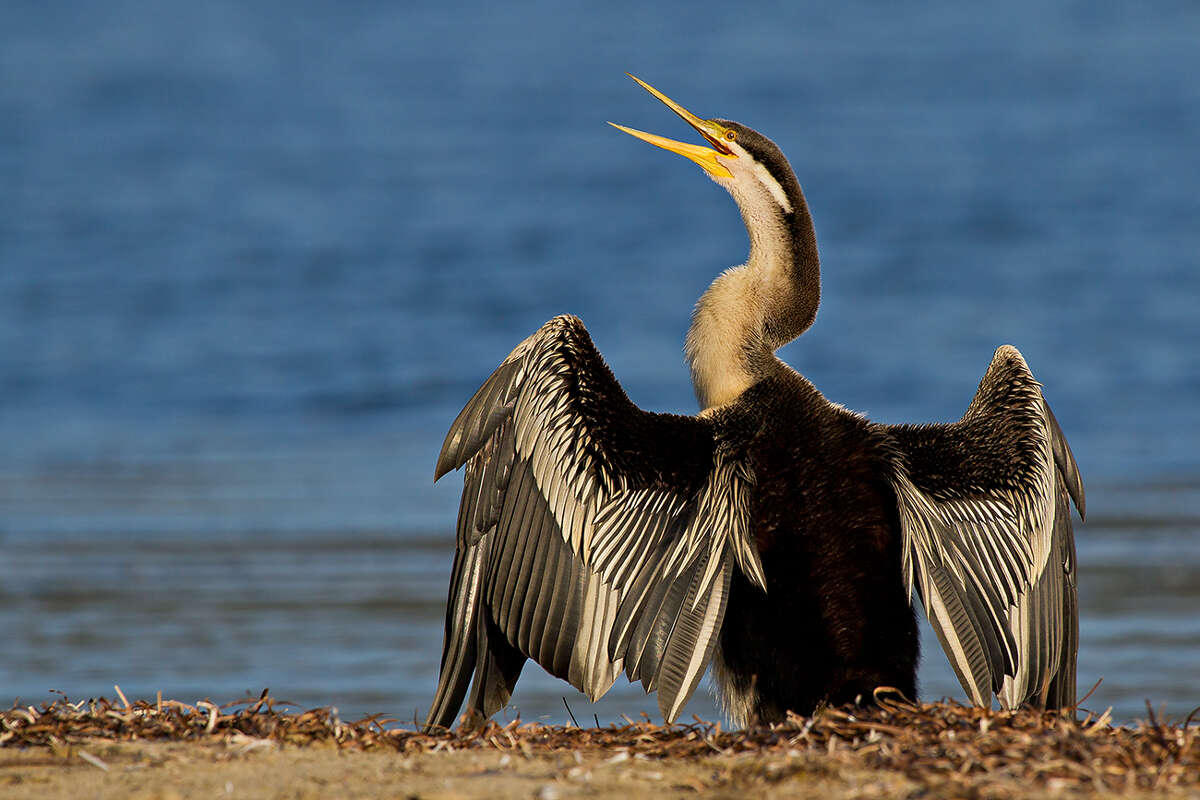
(686, 655)
(988, 542)
(1068, 470)
(960, 632)
(458, 657)
(536, 602)
(592, 536)
(475, 424)
(550, 622)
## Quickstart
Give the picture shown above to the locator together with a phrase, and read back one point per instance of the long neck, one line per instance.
(750, 311)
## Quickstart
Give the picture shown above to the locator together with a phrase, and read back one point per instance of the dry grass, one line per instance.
(943, 746)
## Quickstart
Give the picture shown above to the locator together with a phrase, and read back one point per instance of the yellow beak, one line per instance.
(706, 157)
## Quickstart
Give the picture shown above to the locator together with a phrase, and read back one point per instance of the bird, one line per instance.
(775, 535)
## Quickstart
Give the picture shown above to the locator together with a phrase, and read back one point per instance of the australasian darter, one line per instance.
(775, 534)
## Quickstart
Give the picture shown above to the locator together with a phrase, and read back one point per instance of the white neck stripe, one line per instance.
(767, 180)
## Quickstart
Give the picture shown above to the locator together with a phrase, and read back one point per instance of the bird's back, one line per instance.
(836, 620)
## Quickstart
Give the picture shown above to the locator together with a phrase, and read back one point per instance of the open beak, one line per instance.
(706, 157)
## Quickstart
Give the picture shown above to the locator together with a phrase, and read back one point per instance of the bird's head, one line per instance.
(749, 165)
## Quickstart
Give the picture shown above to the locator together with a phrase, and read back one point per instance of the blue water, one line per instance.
(254, 258)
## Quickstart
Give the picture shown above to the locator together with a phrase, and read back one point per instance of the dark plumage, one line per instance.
(775, 534)
(835, 621)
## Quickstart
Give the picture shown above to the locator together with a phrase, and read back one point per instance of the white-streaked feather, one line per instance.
(613, 529)
(993, 545)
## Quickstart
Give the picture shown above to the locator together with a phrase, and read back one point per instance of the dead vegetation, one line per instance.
(941, 744)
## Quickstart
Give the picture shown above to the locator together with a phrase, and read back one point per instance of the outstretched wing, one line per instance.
(592, 536)
(987, 537)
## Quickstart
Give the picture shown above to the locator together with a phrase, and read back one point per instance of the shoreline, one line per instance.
(260, 748)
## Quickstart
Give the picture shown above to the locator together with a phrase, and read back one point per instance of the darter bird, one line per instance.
(775, 534)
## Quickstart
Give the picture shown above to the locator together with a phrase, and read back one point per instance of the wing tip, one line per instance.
(484, 412)
(1065, 460)
(444, 465)
(669, 707)
(444, 709)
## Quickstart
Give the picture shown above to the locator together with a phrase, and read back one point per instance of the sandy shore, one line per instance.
(167, 770)
(171, 770)
(254, 749)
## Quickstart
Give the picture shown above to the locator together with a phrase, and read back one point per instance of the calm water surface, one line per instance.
(254, 258)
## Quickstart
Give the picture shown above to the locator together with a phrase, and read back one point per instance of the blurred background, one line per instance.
(254, 257)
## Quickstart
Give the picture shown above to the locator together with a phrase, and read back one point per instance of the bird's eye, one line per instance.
(730, 135)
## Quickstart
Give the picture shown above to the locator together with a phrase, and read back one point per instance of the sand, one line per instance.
(168, 770)
(256, 749)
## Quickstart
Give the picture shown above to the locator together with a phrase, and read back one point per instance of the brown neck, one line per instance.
(750, 311)
(791, 270)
